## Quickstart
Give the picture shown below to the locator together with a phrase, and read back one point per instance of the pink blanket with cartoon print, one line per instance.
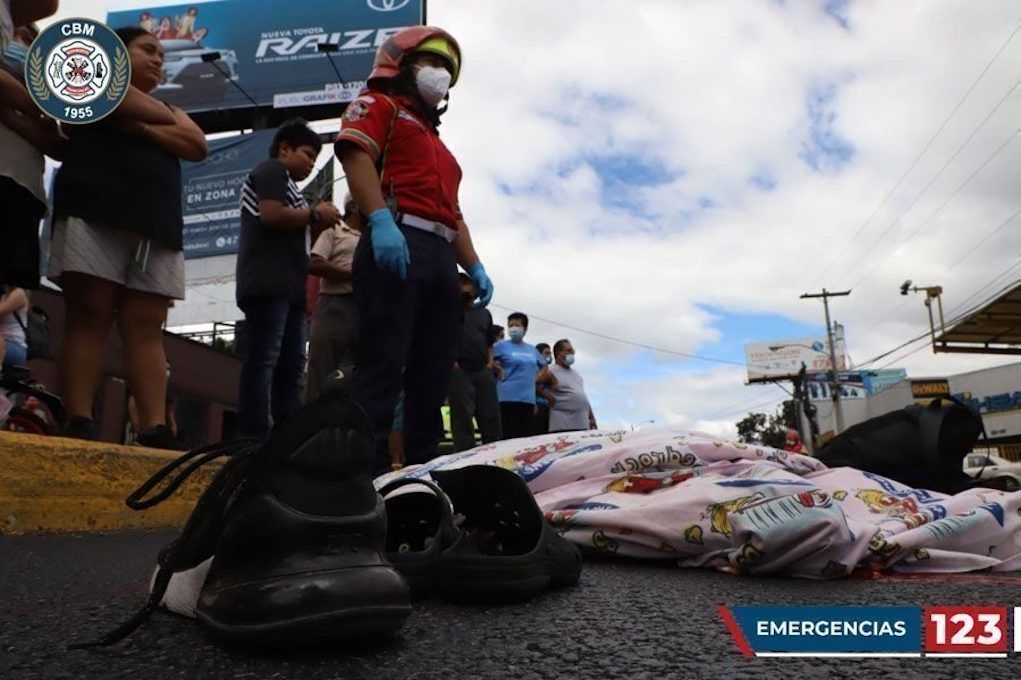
(745, 508)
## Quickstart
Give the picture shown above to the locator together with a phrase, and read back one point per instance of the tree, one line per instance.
(768, 430)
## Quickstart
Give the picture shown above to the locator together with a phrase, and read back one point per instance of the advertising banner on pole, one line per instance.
(782, 359)
(855, 384)
(269, 49)
(211, 191)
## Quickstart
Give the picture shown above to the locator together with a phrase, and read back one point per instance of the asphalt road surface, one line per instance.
(624, 620)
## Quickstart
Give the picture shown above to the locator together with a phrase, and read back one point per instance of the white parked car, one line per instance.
(995, 466)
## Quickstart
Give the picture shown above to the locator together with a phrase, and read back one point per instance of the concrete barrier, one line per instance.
(51, 484)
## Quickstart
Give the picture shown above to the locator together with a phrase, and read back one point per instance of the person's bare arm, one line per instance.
(26, 11)
(276, 215)
(141, 107)
(546, 377)
(13, 301)
(362, 177)
(184, 138)
(42, 133)
(14, 94)
(463, 246)
(318, 266)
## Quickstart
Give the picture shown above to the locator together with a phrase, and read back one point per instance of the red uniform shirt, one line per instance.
(418, 168)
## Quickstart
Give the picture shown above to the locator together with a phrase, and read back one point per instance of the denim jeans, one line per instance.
(16, 354)
(273, 367)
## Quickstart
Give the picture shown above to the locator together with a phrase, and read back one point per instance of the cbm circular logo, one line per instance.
(78, 71)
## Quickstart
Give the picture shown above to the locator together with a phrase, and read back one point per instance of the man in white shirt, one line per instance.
(333, 338)
(569, 409)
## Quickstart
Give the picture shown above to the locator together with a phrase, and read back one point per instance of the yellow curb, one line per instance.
(52, 484)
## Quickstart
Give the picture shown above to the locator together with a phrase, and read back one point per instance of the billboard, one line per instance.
(855, 384)
(268, 49)
(782, 359)
(211, 193)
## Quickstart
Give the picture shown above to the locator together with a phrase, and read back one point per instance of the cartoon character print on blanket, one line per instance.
(746, 509)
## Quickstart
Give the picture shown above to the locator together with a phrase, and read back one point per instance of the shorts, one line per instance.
(115, 255)
(19, 257)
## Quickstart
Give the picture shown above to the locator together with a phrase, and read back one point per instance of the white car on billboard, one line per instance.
(188, 79)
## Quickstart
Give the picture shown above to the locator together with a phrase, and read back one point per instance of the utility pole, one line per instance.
(834, 383)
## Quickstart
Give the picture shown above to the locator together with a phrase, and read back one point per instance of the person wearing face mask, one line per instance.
(542, 394)
(472, 385)
(570, 410)
(523, 367)
(405, 182)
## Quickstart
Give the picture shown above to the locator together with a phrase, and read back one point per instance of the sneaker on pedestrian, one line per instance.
(79, 427)
(159, 437)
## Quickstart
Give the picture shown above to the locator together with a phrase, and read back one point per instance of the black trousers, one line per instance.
(541, 420)
(517, 418)
(473, 395)
(409, 332)
(19, 258)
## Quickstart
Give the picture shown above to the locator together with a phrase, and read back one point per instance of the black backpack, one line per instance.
(37, 332)
(920, 446)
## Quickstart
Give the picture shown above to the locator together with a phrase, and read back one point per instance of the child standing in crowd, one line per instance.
(522, 367)
(272, 267)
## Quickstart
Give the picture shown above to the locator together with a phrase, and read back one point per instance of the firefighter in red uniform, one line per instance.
(405, 181)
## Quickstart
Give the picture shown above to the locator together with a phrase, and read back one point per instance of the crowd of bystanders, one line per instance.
(117, 252)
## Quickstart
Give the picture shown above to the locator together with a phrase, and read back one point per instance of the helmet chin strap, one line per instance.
(441, 109)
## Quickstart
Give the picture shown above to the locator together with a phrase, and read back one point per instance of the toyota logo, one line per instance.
(387, 5)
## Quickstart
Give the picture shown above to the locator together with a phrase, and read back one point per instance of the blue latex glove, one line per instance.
(389, 249)
(483, 284)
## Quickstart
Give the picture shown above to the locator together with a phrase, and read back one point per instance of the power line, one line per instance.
(932, 181)
(921, 153)
(904, 302)
(927, 333)
(622, 341)
(904, 356)
(748, 404)
(943, 205)
(989, 285)
(986, 238)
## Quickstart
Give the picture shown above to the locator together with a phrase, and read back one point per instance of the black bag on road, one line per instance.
(920, 446)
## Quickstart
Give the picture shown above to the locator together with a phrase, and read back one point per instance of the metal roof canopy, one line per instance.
(995, 328)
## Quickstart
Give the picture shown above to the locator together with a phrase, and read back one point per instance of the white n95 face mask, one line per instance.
(433, 83)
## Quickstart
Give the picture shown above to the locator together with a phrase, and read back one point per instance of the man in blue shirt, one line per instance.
(522, 367)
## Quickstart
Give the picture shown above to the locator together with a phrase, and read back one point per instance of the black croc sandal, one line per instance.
(507, 550)
(419, 526)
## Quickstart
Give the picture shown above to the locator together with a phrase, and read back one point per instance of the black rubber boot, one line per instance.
(419, 528)
(300, 558)
(506, 550)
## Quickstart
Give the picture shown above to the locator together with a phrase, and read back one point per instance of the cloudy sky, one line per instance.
(670, 176)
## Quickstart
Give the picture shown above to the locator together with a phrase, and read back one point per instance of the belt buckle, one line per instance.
(439, 229)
